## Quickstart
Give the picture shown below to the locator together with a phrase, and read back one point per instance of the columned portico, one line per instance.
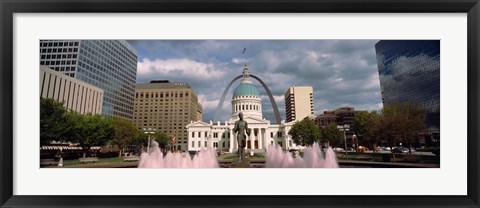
(232, 142)
(246, 100)
(252, 139)
(260, 138)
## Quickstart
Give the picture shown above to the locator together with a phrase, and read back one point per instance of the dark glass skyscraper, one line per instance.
(409, 70)
(110, 65)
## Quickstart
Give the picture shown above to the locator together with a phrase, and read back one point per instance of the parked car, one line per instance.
(384, 148)
(362, 149)
(338, 149)
(399, 150)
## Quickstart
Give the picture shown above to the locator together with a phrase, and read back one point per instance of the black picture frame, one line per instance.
(10, 7)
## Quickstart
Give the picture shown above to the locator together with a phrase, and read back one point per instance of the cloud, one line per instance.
(207, 103)
(338, 80)
(239, 60)
(341, 72)
(184, 67)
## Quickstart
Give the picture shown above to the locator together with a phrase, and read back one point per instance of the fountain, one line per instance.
(207, 158)
(312, 158)
(154, 158)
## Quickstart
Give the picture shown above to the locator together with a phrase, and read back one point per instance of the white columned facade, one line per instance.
(260, 138)
(252, 139)
(246, 99)
(233, 139)
(230, 146)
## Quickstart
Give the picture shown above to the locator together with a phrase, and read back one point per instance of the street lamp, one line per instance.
(344, 128)
(149, 131)
(355, 141)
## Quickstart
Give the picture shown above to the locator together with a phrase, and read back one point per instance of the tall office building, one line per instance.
(298, 102)
(110, 65)
(409, 70)
(167, 107)
(75, 94)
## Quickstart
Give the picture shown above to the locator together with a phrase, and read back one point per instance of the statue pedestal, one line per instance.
(241, 164)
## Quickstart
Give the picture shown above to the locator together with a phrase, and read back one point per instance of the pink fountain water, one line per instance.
(312, 158)
(207, 158)
(155, 159)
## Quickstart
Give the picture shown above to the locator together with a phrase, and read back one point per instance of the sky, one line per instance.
(341, 72)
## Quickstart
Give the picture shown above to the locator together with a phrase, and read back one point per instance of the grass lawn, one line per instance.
(100, 160)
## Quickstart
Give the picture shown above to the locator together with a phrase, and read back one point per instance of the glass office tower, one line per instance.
(409, 70)
(110, 65)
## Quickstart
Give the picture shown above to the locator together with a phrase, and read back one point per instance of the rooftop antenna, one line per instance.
(243, 53)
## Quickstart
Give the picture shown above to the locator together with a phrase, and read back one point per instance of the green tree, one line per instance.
(361, 125)
(142, 138)
(162, 139)
(53, 120)
(305, 132)
(414, 124)
(125, 133)
(365, 127)
(409, 119)
(332, 134)
(383, 129)
(91, 130)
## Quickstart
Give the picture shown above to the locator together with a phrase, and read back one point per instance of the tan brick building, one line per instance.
(298, 103)
(76, 95)
(167, 107)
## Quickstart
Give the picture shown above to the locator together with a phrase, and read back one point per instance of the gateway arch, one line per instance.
(272, 101)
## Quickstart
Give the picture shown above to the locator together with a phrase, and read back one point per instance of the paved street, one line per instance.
(413, 152)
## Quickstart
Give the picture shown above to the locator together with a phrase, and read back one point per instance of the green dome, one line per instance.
(246, 89)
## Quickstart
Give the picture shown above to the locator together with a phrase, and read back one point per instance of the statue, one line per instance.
(241, 127)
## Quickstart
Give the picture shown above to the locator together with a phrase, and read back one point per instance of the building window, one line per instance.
(193, 134)
(199, 134)
(271, 134)
(205, 143)
(199, 144)
(193, 144)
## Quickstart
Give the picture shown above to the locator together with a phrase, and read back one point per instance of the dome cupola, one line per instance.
(246, 98)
